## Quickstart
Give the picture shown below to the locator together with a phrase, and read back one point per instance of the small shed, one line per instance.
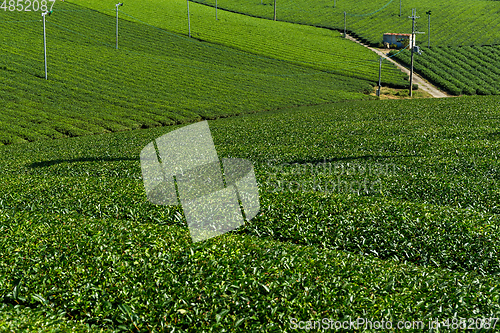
(393, 38)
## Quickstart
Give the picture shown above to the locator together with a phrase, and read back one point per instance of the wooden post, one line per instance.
(345, 25)
(379, 77)
(189, 20)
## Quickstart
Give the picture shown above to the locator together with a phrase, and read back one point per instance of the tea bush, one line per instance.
(80, 239)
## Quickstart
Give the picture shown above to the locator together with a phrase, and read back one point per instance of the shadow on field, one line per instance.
(82, 159)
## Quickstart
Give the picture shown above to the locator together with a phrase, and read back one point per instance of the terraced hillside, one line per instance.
(467, 70)
(320, 49)
(155, 78)
(419, 242)
(454, 22)
(386, 211)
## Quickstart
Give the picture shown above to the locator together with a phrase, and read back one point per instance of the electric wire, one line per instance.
(344, 71)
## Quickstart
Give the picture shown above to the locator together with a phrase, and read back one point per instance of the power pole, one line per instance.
(429, 29)
(45, 42)
(413, 17)
(117, 27)
(379, 76)
(117, 5)
(275, 10)
(216, 11)
(345, 24)
(334, 3)
(189, 20)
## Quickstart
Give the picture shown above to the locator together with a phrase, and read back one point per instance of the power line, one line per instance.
(79, 10)
(319, 72)
(356, 63)
(235, 51)
(19, 21)
(75, 32)
(374, 12)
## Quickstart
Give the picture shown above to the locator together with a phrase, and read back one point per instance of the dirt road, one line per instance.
(422, 84)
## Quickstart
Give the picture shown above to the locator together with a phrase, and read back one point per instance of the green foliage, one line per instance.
(460, 70)
(80, 238)
(24, 319)
(156, 78)
(453, 22)
(321, 49)
(83, 250)
(405, 42)
(403, 93)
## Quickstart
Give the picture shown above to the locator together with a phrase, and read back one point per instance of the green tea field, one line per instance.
(375, 215)
(80, 238)
(453, 22)
(464, 70)
(155, 78)
(303, 45)
(474, 24)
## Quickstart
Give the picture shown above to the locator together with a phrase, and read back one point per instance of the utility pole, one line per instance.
(429, 29)
(216, 11)
(117, 5)
(379, 76)
(413, 17)
(334, 3)
(45, 42)
(345, 25)
(189, 21)
(275, 10)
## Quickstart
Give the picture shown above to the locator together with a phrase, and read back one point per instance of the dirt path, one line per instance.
(422, 84)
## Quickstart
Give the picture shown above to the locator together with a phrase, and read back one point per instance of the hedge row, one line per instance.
(463, 70)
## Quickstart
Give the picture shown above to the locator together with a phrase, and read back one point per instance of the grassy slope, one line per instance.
(81, 234)
(156, 78)
(464, 70)
(307, 46)
(456, 22)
